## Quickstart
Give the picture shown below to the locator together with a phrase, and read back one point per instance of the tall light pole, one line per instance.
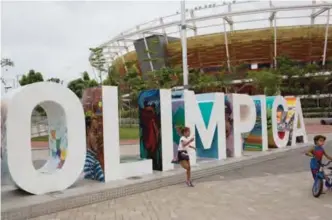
(326, 36)
(184, 44)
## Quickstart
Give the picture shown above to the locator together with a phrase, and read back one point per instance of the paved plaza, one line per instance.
(278, 190)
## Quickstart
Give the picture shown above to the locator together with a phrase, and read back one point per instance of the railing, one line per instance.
(39, 130)
(39, 125)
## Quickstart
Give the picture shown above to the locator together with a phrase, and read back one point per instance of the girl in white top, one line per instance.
(183, 157)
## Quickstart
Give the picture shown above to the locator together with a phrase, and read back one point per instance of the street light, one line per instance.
(184, 44)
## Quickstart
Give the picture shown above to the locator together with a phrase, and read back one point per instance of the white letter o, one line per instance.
(64, 109)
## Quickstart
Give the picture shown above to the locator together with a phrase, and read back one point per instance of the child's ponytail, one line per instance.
(182, 129)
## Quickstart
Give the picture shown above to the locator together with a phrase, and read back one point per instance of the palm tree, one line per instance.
(6, 62)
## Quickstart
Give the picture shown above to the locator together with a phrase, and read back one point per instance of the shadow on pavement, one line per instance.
(293, 162)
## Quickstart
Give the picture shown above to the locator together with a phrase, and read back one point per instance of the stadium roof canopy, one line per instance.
(222, 17)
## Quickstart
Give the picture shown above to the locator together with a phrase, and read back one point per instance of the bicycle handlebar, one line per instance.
(326, 164)
(322, 164)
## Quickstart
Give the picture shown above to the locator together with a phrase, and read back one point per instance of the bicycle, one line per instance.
(321, 176)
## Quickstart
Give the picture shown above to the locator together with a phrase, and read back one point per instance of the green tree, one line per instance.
(78, 85)
(288, 79)
(134, 84)
(202, 82)
(98, 61)
(293, 76)
(311, 68)
(206, 83)
(224, 82)
(31, 77)
(113, 77)
(165, 78)
(266, 81)
(240, 71)
(56, 80)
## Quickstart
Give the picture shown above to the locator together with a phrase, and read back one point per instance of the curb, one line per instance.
(57, 204)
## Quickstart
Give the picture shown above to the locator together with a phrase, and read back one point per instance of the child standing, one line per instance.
(317, 152)
(183, 157)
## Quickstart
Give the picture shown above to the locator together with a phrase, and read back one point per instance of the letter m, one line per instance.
(209, 134)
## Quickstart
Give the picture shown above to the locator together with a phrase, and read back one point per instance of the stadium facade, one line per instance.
(221, 35)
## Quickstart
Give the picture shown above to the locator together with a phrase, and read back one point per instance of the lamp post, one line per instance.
(184, 44)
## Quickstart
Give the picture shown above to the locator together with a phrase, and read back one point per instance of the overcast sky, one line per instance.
(54, 37)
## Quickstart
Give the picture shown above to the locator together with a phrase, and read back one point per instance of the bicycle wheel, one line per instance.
(317, 188)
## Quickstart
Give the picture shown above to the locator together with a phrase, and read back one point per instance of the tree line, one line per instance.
(289, 78)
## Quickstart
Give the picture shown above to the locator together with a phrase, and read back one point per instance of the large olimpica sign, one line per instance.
(84, 134)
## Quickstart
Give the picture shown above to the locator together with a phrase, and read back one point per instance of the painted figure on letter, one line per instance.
(149, 116)
(94, 162)
(93, 168)
(229, 128)
(149, 127)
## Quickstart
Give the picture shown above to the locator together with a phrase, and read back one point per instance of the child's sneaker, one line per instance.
(189, 183)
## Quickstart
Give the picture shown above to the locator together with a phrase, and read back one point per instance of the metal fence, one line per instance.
(39, 125)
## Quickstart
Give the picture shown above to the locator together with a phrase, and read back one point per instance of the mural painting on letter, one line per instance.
(253, 139)
(150, 127)
(58, 143)
(206, 103)
(256, 139)
(229, 125)
(94, 167)
(289, 119)
(205, 116)
(285, 119)
(281, 124)
(178, 120)
(244, 118)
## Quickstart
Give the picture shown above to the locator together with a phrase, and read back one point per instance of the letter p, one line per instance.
(244, 118)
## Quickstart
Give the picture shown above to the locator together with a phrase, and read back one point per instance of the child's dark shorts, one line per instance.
(183, 155)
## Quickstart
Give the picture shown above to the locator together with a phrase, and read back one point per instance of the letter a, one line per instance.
(298, 120)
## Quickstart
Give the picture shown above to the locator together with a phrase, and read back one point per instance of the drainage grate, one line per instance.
(134, 178)
(56, 193)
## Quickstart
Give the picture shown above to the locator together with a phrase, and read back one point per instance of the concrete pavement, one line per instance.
(278, 189)
(317, 128)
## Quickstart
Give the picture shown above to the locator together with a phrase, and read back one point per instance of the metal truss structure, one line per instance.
(223, 18)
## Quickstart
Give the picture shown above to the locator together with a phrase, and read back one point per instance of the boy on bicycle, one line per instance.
(317, 152)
